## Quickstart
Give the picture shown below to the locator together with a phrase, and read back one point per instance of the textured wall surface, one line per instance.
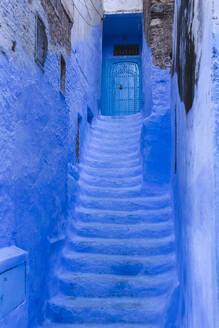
(38, 128)
(215, 100)
(158, 24)
(157, 145)
(121, 6)
(194, 137)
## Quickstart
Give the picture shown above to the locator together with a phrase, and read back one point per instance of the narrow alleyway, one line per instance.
(118, 265)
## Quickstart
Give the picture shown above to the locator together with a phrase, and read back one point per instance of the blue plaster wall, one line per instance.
(146, 77)
(156, 132)
(121, 29)
(157, 146)
(215, 100)
(193, 134)
(35, 176)
(38, 133)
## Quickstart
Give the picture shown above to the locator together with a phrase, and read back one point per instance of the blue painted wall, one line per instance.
(157, 146)
(38, 133)
(193, 134)
(156, 133)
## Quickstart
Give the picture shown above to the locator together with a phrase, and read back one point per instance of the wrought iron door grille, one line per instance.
(126, 50)
(124, 88)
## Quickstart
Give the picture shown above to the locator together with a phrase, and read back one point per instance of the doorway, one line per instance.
(121, 87)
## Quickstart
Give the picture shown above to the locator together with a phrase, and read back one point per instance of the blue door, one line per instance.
(121, 88)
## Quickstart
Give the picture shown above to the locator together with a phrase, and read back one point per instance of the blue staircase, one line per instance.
(118, 265)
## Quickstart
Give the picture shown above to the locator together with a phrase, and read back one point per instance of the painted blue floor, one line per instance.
(118, 265)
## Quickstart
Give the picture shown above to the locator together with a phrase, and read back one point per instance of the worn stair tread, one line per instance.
(94, 191)
(155, 226)
(106, 310)
(107, 136)
(88, 325)
(90, 278)
(115, 144)
(110, 156)
(120, 117)
(123, 231)
(133, 200)
(110, 172)
(123, 247)
(159, 260)
(131, 242)
(135, 213)
(110, 182)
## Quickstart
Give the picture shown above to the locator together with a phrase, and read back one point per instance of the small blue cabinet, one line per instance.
(13, 290)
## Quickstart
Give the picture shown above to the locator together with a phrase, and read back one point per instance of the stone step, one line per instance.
(97, 191)
(111, 172)
(131, 117)
(118, 130)
(114, 155)
(66, 309)
(123, 143)
(126, 231)
(103, 286)
(139, 247)
(109, 147)
(114, 325)
(101, 163)
(111, 182)
(117, 124)
(123, 136)
(126, 204)
(117, 264)
(123, 217)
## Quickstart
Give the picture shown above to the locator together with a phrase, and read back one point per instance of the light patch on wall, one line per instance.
(114, 6)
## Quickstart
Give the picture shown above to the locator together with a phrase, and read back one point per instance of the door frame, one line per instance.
(107, 63)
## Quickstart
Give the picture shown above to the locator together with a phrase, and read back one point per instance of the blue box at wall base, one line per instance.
(13, 288)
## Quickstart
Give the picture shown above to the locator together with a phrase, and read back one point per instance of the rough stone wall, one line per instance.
(158, 20)
(60, 22)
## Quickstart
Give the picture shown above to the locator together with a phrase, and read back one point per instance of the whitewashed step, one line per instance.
(117, 124)
(114, 164)
(109, 147)
(98, 191)
(111, 182)
(111, 172)
(113, 142)
(126, 204)
(115, 155)
(126, 231)
(139, 247)
(94, 285)
(118, 264)
(123, 136)
(68, 309)
(123, 217)
(62, 325)
(132, 117)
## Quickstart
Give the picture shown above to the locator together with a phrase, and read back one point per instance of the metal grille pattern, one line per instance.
(126, 50)
(124, 88)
